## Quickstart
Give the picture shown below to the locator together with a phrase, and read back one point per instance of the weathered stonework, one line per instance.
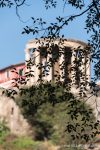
(10, 113)
(68, 45)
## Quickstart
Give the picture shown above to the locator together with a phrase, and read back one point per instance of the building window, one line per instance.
(55, 61)
(43, 52)
(67, 62)
(32, 50)
(7, 74)
(55, 52)
(21, 72)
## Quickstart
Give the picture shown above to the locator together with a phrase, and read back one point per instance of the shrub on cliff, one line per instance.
(56, 114)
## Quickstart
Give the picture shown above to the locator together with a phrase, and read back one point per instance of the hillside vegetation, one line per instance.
(57, 119)
(56, 115)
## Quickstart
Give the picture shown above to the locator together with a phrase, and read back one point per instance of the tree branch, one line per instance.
(74, 16)
(94, 3)
(18, 5)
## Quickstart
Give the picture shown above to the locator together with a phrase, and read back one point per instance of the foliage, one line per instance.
(6, 3)
(10, 3)
(36, 96)
(24, 142)
(10, 142)
(4, 131)
(59, 117)
(3, 128)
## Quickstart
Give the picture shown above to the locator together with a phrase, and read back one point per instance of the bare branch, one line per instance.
(18, 5)
(78, 15)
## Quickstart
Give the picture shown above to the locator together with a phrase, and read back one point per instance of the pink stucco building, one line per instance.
(7, 74)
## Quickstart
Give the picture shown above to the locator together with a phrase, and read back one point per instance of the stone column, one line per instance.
(88, 71)
(27, 55)
(73, 80)
(33, 68)
(61, 64)
(83, 71)
(43, 69)
(27, 58)
(49, 77)
(37, 61)
(72, 67)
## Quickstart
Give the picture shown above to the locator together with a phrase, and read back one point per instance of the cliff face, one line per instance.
(93, 99)
(10, 112)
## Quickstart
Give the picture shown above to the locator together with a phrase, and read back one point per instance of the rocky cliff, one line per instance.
(10, 113)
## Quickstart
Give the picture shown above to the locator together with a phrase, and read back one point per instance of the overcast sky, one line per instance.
(12, 42)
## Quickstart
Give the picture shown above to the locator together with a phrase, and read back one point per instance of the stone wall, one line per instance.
(10, 112)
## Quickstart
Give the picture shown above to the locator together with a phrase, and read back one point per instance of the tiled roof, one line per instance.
(12, 66)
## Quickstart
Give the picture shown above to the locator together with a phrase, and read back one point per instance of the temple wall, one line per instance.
(72, 44)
